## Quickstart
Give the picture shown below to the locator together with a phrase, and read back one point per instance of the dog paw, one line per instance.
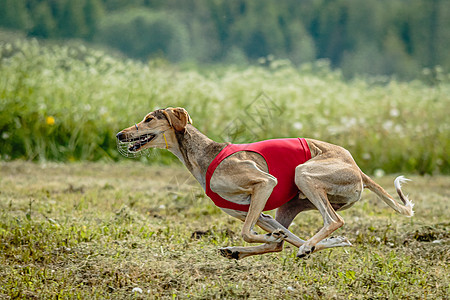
(276, 236)
(229, 253)
(338, 241)
(305, 250)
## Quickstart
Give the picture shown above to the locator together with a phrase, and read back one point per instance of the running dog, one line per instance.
(290, 175)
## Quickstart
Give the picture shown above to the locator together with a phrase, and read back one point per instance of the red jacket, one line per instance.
(282, 157)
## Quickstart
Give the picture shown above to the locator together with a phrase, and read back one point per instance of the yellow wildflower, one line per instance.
(50, 120)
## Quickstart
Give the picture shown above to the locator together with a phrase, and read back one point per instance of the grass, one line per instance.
(96, 230)
(66, 102)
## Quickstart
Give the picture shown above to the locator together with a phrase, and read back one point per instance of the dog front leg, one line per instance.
(267, 223)
(242, 252)
(261, 192)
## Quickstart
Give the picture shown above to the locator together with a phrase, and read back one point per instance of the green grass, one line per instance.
(66, 103)
(96, 230)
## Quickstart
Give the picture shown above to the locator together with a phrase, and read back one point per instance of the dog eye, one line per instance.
(148, 120)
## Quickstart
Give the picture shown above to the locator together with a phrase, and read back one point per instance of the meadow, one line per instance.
(66, 102)
(132, 231)
(78, 221)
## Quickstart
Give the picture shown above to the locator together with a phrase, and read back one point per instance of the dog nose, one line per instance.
(120, 136)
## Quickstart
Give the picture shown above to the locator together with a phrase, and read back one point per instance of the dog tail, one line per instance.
(405, 209)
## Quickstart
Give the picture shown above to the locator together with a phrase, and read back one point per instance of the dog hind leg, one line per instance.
(318, 179)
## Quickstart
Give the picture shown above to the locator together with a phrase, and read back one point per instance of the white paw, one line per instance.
(305, 250)
(229, 252)
(276, 236)
(338, 241)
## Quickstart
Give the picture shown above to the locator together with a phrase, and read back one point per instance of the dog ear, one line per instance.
(178, 118)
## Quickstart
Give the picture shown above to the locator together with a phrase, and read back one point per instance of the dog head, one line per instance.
(156, 130)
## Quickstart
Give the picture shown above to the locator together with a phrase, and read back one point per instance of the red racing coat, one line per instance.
(282, 157)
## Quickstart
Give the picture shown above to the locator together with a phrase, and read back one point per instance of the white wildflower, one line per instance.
(366, 156)
(394, 112)
(379, 173)
(388, 125)
(103, 110)
(298, 126)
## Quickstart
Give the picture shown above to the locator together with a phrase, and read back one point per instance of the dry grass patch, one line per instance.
(128, 230)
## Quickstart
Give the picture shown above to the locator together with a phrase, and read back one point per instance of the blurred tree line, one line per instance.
(387, 37)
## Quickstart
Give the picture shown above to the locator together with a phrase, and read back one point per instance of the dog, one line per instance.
(240, 180)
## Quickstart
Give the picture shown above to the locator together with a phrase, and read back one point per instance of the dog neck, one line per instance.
(196, 151)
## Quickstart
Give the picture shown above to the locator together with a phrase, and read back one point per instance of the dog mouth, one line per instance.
(136, 144)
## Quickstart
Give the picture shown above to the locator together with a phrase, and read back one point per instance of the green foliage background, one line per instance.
(67, 102)
(389, 37)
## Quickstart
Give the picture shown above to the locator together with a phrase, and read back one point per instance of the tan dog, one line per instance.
(329, 181)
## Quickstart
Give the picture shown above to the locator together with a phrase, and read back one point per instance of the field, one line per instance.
(133, 231)
(96, 225)
(66, 102)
